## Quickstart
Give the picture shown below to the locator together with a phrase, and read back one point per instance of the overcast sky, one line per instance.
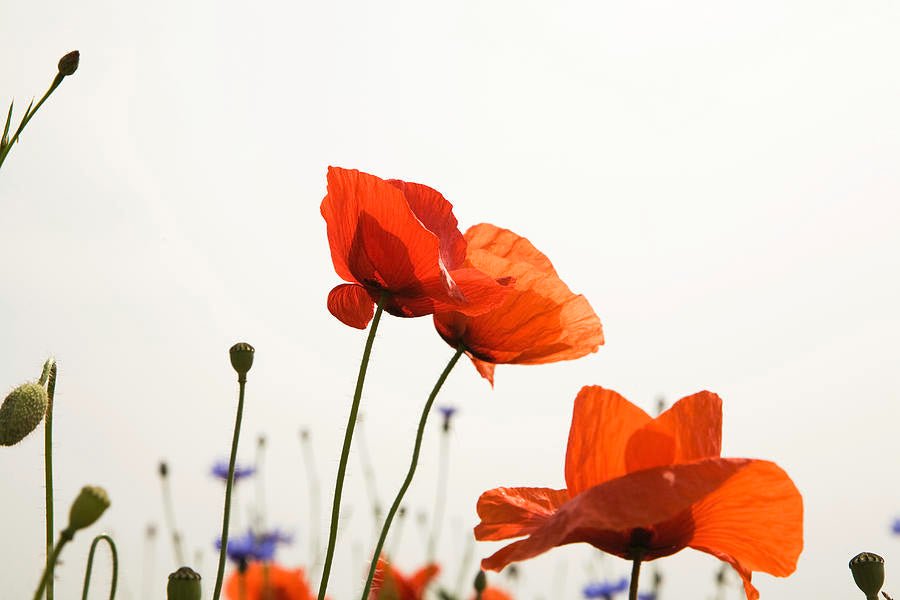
(720, 179)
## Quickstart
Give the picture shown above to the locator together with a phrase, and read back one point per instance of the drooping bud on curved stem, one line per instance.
(90, 564)
(184, 584)
(868, 573)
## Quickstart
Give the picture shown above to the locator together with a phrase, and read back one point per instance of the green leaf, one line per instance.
(4, 139)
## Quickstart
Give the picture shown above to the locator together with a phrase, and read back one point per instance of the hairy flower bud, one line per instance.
(21, 412)
(868, 573)
(87, 508)
(241, 358)
(184, 584)
(68, 64)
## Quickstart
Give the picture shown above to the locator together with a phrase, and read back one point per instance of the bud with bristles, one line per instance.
(241, 359)
(184, 584)
(87, 508)
(21, 412)
(868, 573)
(68, 64)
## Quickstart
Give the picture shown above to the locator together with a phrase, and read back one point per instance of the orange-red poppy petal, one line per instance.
(754, 521)
(690, 430)
(436, 214)
(375, 237)
(421, 578)
(602, 424)
(492, 593)
(351, 304)
(657, 500)
(513, 512)
(268, 581)
(465, 291)
(390, 584)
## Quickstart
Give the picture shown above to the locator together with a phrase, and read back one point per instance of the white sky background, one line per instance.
(720, 179)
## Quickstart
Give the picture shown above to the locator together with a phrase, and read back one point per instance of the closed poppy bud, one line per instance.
(68, 64)
(184, 584)
(480, 582)
(87, 508)
(868, 573)
(241, 358)
(21, 412)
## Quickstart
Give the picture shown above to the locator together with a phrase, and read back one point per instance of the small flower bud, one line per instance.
(87, 508)
(21, 412)
(184, 584)
(480, 582)
(68, 64)
(868, 573)
(241, 358)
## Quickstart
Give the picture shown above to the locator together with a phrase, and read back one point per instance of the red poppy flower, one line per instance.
(390, 584)
(400, 239)
(540, 321)
(268, 581)
(640, 487)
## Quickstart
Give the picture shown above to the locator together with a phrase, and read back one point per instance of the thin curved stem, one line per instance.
(27, 117)
(90, 566)
(635, 574)
(242, 382)
(420, 432)
(64, 538)
(48, 474)
(345, 451)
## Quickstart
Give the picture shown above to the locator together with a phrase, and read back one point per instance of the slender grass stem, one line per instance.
(242, 382)
(169, 509)
(345, 451)
(440, 497)
(420, 432)
(314, 497)
(90, 565)
(48, 476)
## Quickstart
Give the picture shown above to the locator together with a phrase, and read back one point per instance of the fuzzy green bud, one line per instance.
(68, 64)
(241, 359)
(87, 508)
(184, 584)
(868, 573)
(21, 412)
(480, 582)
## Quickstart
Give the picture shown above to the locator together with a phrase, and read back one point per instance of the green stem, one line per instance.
(345, 451)
(420, 432)
(27, 117)
(635, 573)
(242, 381)
(64, 538)
(314, 497)
(90, 566)
(169, 508)
(48, 476)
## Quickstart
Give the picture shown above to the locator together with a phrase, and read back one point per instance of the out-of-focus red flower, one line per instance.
(399, 239)
(540, 321)
(492, 593)
(268, 581)
(390, 584)
(640, 487)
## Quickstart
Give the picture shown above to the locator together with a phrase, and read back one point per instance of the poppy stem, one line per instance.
(242, 382)
(48, 476)
(90, 566)
(345, 451)
(635, 573)
(420, 432)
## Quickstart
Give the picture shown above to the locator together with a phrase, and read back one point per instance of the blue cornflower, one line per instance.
(254, 546)
(220, 470)
(896, 527)
(447, 412)
(605, 589)
(646, 595)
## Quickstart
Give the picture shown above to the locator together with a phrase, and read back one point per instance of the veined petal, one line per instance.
(436, 214)
(485, 369)
(657, 500)
(754, 521)
(351, 304)
(513, 512)
(375, 237)
(471, 292)
(602, 424)
(690, 430)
